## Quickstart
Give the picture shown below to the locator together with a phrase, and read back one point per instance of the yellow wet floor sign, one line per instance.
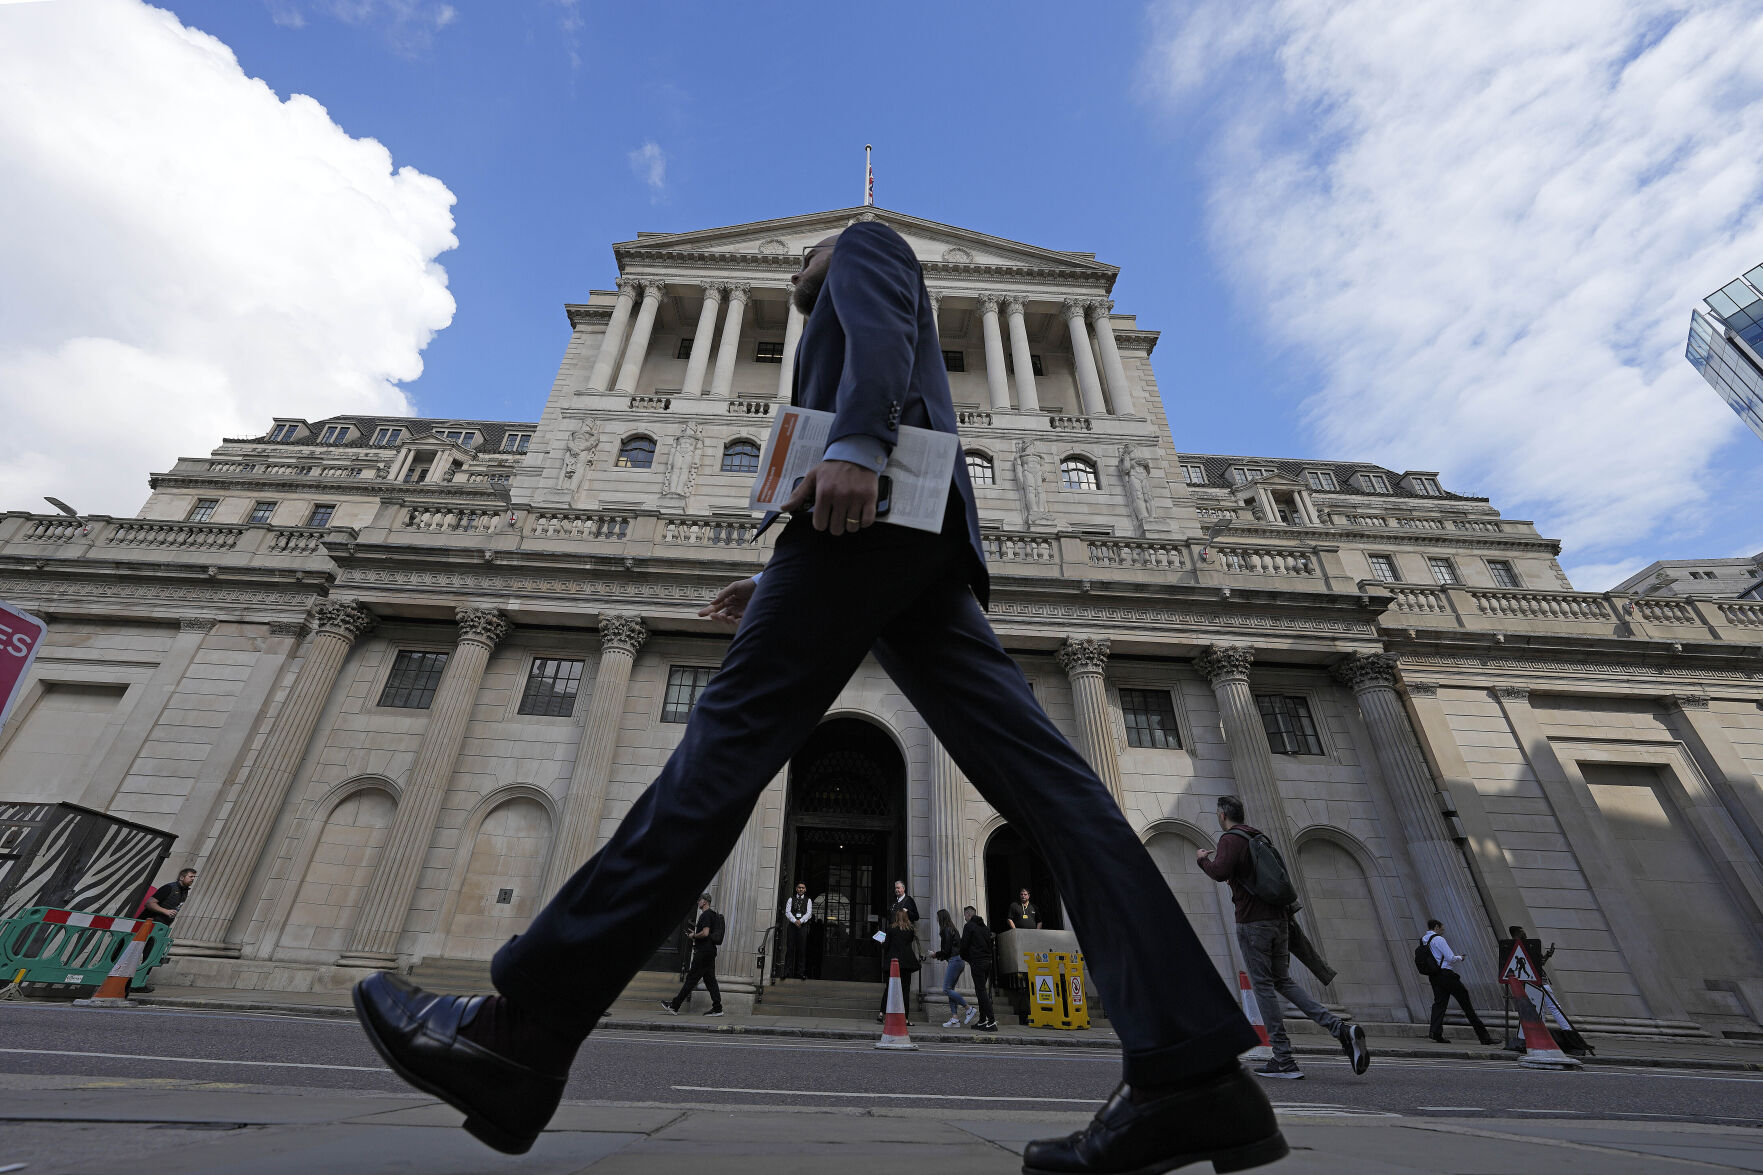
(1056, 990)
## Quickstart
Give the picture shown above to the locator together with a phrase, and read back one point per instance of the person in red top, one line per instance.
(1264, 933)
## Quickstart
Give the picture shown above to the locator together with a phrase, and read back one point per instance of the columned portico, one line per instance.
(374, 940)
(997, 382)
(1120, 401)
(728, 350)
(1082, 359)
(699, 361)
(792, 335)
(1021, 358)
(614, 336)
(639, 345)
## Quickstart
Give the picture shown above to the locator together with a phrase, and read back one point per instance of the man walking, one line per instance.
(976, 948)
(1447, 984)
(162, 906)
(1023, 915)
(798, 910)
(1264, 933)
(706, 937)
(836, 589)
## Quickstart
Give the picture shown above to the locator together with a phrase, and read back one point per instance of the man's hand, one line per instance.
(843, 493)
(731, 602)
(1203, 855)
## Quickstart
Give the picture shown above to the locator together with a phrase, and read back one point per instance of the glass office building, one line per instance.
(1726, 345)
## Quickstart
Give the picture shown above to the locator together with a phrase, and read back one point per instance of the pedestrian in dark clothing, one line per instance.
(1447, 985)
(1264, 933)
(1023, 913)
(901, 902)
(798, 913)
(706, 937)
(949, 950)
(902, 944)
(162, 906)
(976, 949)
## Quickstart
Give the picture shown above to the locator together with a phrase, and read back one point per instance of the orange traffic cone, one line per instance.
(894, 1034)
(114, 991)
(1540, 1049)
(1252, 1009)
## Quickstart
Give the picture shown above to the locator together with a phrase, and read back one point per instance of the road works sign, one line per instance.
(20, 635)
(1518, 965)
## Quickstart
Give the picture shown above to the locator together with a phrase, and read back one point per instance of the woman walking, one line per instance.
(902, 944)
(950, 950)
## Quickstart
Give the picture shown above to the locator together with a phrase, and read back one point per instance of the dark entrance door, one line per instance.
(1012, 865)
(844, 836)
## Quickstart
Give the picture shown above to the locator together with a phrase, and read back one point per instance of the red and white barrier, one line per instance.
(1252, 1009)
(114, 991)
(97, 921)
(1540, 1049)
(894, 1034)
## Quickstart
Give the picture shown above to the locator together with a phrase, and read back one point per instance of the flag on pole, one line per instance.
(868, 178)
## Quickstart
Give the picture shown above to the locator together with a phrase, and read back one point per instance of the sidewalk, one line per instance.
(1391, 1040)
(121, 1127)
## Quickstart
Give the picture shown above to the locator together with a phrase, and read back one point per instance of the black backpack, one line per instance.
(1424, 960)
(1266, 879)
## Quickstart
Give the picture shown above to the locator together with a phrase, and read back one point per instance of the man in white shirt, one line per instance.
(1446, 984)
(798, 910)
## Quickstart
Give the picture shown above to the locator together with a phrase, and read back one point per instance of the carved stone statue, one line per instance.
(578, 451)
(1135, 475)
(1031, 472)
(682, 463)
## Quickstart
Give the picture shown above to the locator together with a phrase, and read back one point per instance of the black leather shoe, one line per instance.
(506, 1104)
(1228, 1120)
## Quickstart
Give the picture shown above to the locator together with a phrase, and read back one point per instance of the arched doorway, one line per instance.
(845, 836)
(1012, 865)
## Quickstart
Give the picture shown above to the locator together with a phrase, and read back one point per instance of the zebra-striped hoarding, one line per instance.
(74, 858)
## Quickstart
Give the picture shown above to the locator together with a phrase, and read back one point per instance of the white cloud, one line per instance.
(409, 26)
(649, 164)
(1487, 224)
(185, 255)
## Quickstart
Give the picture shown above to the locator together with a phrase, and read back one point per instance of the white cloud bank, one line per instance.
(184, 255)
(649, 164)
(1487, 223)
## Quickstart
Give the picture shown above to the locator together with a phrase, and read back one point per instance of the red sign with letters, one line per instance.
(20, 635)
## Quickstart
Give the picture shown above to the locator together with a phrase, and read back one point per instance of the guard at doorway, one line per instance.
(1023, 913)
(837, 589)
(902, 903)
(798, 913)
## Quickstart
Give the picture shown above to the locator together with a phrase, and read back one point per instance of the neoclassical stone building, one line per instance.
(389, 680)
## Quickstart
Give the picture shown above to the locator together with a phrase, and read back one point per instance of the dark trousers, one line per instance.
(703, 971)
(982, 989)
(905, 993)
(824, 603)
(1447, 984)
(796, 962)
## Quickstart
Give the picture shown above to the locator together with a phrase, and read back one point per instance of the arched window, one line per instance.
(1077, 473)
(636, 452)
(740, 456)
(979, 468)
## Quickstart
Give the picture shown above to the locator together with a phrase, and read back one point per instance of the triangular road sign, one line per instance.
(1044, 991)
(1518, 965)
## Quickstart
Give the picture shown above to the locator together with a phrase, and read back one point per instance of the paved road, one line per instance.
(330, 1054)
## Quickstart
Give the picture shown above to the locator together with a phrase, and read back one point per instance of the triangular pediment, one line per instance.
(935, 244)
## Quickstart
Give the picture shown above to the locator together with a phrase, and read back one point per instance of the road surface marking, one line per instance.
(200, 1060)
(1477, 1109)
(936, 1097)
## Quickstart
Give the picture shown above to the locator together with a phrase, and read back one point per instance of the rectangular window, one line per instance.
(1034, 364)
(1194, 475)
(414, 678)
(466, 437)
(419, 467)
(685, 349)
(1427, 487)
(764, 352)
(203, 510)
(684, 684)
(335, 433)
(1384, 567)
(1443, 570)
(387, 436)
(284, 432)
(1290, 728)
(1243, 474)
(954, 360)
(1320, 479)
(1503, 574)
(516, 442)
(261, 512)
(551, 687)
(1377, 483)
(321, 514)
(1150, 718)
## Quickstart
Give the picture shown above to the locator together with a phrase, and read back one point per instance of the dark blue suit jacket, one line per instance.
(870, 355)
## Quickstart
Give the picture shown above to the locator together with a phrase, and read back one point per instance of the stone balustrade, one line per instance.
(296, 542)
(1019, 548)
(967, 417)
(579, 525)
(1535, 605)
(1367, 520)
(1144, 556)
(216, 543)
(53, 530)
(1265, 561)
(1071, 423)
(1665, 611)
(749, 408)
(1741, 613)
(1476, 524)
(183, 536)
(1212, 514)
(1421, 523)
(449, 519)
(708, 532)
(651, 403)
(1419, 600)
(1519, 610)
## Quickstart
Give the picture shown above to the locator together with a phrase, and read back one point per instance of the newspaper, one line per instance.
(921, 467)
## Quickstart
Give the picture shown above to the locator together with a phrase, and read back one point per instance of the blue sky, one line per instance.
(1464, 240)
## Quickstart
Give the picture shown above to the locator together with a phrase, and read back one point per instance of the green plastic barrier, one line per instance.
(46, 945)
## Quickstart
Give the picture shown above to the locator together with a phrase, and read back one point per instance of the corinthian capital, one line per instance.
(654, 289)
(988, 303)
(484, 626)
(624, 633)
(1221, 663)
(1083, 654)
(628, 285)
(1074, 307)
(1014, 304)
(1099, 309)
(1364, 671)
(713, 290)
(343, 618)
(738, 291)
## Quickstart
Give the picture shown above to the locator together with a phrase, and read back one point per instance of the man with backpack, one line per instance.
(706, 937)
(1434, 959)
(1261, 891)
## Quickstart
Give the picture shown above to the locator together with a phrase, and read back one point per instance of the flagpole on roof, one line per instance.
(868, 178)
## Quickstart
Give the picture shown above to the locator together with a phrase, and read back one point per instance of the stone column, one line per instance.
(386, 904)
(638, 349)
(1120, 400)
(792, 336)
(1026, 399)
(1083, 658)
(1226, 667)
(730, 347)
(578, 831)
(700, 360)
(951, 854)
(1447, 890)
(614, 337)
(735, 895)
(206, 922)
(936, 309)
(1082, 360)
(996, 382)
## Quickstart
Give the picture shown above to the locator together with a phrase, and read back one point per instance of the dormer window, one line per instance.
(516, 442)
(284, 432)
(335, 434)
(1194, 475)
(1319, 479)
(1427, 487)
(388, 436)
(1374, 483)
(465, 437)
(1244, 474)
